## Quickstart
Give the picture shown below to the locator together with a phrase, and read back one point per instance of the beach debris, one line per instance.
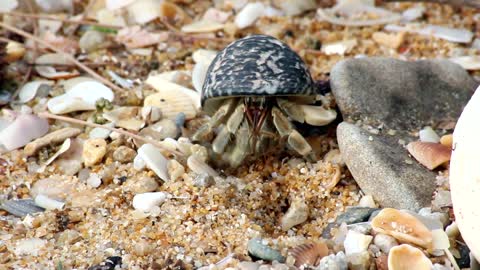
(22, 130)
(430, 155)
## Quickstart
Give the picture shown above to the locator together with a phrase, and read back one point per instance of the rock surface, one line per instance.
(400, 94)
(380, 168)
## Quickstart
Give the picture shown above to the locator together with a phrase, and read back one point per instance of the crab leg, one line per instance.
(215, 120)
(281, 122)
(240, 150)
(293, 110)
(231, 126)
(221, 141)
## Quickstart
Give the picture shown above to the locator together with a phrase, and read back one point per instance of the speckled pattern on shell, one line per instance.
(257, 65)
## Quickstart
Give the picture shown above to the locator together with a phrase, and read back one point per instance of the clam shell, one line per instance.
(21, 208)
(403, 226)
(309, 253)
(430, 155)
(406, 257)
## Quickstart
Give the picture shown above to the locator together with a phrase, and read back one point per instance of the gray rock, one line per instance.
(400, 94)
(355, 215)
(259, 250)
(379, 167)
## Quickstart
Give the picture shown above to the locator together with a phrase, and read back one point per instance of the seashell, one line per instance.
(447, 140)
(29, 246)
(447, 33)
(406, 257)
(171, 103)
(413, 13)
(125, 117)
(151, 114)
(146, 202)
(440, 240)
(468, 62)
(203, 55)
(167, 87)
(30, 89)
(295, 7)
(144, 11)
(70, 83)
(173, 13)
(430, 155)
(258, 249)
(199, 166)
(48, 203)
(49, 71)
(117, 4)
(154, 160)
(8, 5)
(213, 14)
(393, 41)
(249, 14)
(81, 97)
(309, 253)
(63, 148)
(54, 137)
(318, 116)
(296, 214)
(199, 73)
(403, 226)
(428, 135)
(22, 130)
(21, 208)
(202, 26)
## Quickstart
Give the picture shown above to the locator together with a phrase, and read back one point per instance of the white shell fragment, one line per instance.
(413, 13)
(249, 14)
(202, 26)
(427, 134)
(144, 11)
(296, 214)
(352, 10)
(451, 34)
(30, 89)
(440, 240)
(81, 97)
(199, 166)
(318, 116)
(465, 172)
(49, 71)
(29, 246)
(356, 242)
(48, 203)
(296, 7)
(154, 160)
(147, 202)
(202, 58)
(340, 47)
(21, 131)
(8, 5)
(64, 148)
(117, 4)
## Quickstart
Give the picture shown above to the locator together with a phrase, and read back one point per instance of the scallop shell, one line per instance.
(171, 103)
(309, 253)
(430, 155)
(403, 226)
(406, 257)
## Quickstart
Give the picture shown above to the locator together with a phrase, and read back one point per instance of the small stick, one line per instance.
(51, 18)
(68, 56)
(121, 131)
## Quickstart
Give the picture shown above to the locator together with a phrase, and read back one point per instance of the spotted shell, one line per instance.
(257, 65)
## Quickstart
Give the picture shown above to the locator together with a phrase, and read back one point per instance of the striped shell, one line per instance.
(255, 66)
(309, 254)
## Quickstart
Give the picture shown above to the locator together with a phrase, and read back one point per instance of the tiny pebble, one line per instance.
(334, 262)
(91, 40)
(203, 180)
(385, 242)
(124, 154)
(249, 14)
(147, 202)
(356, 242)
(428, 135)
(93, 151)
(367, 201)
(296, 214)
(142, 185)
(175, 169)
(248, 265)
(94, 180)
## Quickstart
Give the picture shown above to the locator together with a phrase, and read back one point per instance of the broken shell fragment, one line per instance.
(406, 257)
(203, 26)
(54, 137)
(296, 214)
(22, 130)
(15, 51)
(50, 72)
(318, 116)
(154, 160)
(21, 208)
(403, 226)
(174, 93)
(171, 103)
(81, 97)
(48, 203)
(30, 89)
(147, 202)
(199, 166)
(125, 117)
(309, 254)
(430, 155)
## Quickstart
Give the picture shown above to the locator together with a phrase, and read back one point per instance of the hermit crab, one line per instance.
(253, 89)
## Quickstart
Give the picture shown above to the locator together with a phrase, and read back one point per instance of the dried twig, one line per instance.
(67, 56)
(121, 131)
(52, 18)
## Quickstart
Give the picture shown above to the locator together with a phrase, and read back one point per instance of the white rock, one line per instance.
(94, 180)
(29, 246)
(100, 133)
(465, 172)
(296, 214)
(81, 97)
(385, 242)
(147, 202)
(334, 262)
(413, 13)
(154, 160)
(356, 242)
(359, 260)
(48, 203)
(367, 201)
(138, 163)
(249, 14)
(427, 134)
